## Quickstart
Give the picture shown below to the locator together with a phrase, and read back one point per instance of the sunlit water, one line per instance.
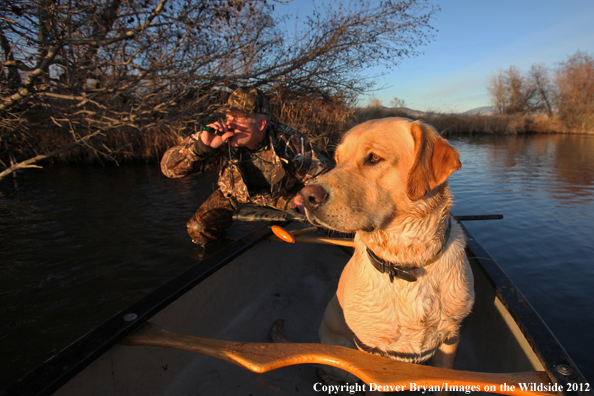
(77, 245)
(544, 186)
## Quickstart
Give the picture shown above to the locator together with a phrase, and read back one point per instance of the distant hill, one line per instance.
(484, 110)
(406, 110)
(414, 112)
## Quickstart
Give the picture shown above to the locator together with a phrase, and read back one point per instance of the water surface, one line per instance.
(544, 186)
(77, 245)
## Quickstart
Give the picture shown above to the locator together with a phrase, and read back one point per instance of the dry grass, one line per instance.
(324, 121)
(115, 146)
(449, 124)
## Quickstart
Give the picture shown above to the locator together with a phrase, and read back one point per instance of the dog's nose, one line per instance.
(313, 196)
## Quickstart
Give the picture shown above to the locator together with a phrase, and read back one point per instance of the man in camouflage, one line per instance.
(261, 162)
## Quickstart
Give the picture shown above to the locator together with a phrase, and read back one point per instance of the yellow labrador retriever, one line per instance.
(408, 285)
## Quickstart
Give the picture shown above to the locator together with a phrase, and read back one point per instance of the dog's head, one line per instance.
(383, 168)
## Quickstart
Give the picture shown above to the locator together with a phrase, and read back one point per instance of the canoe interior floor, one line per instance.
(290, 285)
(240, 302)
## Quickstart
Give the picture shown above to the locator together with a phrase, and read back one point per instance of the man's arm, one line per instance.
(196, 153)
(190, 156)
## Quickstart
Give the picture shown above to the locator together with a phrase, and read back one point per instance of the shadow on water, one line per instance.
(77, 245)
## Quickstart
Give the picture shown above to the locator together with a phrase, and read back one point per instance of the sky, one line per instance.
(475, 39)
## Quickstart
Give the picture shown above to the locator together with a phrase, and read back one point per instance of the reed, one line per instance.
(450, 123)
(322, 120)
(118, 147)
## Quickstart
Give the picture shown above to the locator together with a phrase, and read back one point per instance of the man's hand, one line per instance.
(297, 204)
(212, 140)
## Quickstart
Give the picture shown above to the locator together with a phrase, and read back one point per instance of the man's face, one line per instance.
(249, 131)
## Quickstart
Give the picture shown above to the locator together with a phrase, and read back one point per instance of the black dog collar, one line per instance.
(403, 271)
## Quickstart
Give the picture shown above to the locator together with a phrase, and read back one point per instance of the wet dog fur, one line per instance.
(389, 186)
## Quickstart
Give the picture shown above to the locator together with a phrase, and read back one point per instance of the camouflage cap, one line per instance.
(247, 101)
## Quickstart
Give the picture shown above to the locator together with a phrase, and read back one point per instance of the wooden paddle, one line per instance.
(289, 236)
(383, 373)
(297, 236)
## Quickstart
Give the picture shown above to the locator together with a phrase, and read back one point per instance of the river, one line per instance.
(77, 245)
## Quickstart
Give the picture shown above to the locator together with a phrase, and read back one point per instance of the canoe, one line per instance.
(238, 292)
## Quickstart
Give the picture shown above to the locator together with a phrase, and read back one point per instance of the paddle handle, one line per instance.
(479, 217)
(302, 231)
(315, 239)
(281, 234)
(296, 235)
(326, 240)
(372, 369)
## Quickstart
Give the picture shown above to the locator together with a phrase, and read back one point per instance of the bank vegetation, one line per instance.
(564, 95)
(540, 100)
(88, 81)
(115, 82)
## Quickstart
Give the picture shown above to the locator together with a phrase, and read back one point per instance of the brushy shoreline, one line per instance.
(451, 124)
(324, 128)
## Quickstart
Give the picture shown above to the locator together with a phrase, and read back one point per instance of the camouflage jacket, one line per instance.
(294, 163)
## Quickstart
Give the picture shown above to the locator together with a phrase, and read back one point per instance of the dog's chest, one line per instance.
(402, 316)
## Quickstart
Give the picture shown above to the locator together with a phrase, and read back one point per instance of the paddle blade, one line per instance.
(283, 234)
(384, 372)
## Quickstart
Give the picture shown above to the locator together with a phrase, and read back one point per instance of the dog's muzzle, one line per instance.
(314, 196)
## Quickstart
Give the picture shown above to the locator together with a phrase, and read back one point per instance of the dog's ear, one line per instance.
(434, 161)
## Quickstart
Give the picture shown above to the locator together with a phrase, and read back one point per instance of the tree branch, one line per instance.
(31, 161)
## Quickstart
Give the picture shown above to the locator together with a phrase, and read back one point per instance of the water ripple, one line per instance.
(544, 186)
(79, 244)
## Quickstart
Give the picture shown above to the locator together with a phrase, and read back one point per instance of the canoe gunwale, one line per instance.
(546, 346)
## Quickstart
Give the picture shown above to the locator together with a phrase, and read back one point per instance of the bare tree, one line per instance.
(539, 81)
(55, 48)
(510, 93)
(517, 91)
(80, 71)
(498, 91)
(575, 92)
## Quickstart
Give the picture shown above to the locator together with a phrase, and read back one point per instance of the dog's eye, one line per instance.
(374, 158)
